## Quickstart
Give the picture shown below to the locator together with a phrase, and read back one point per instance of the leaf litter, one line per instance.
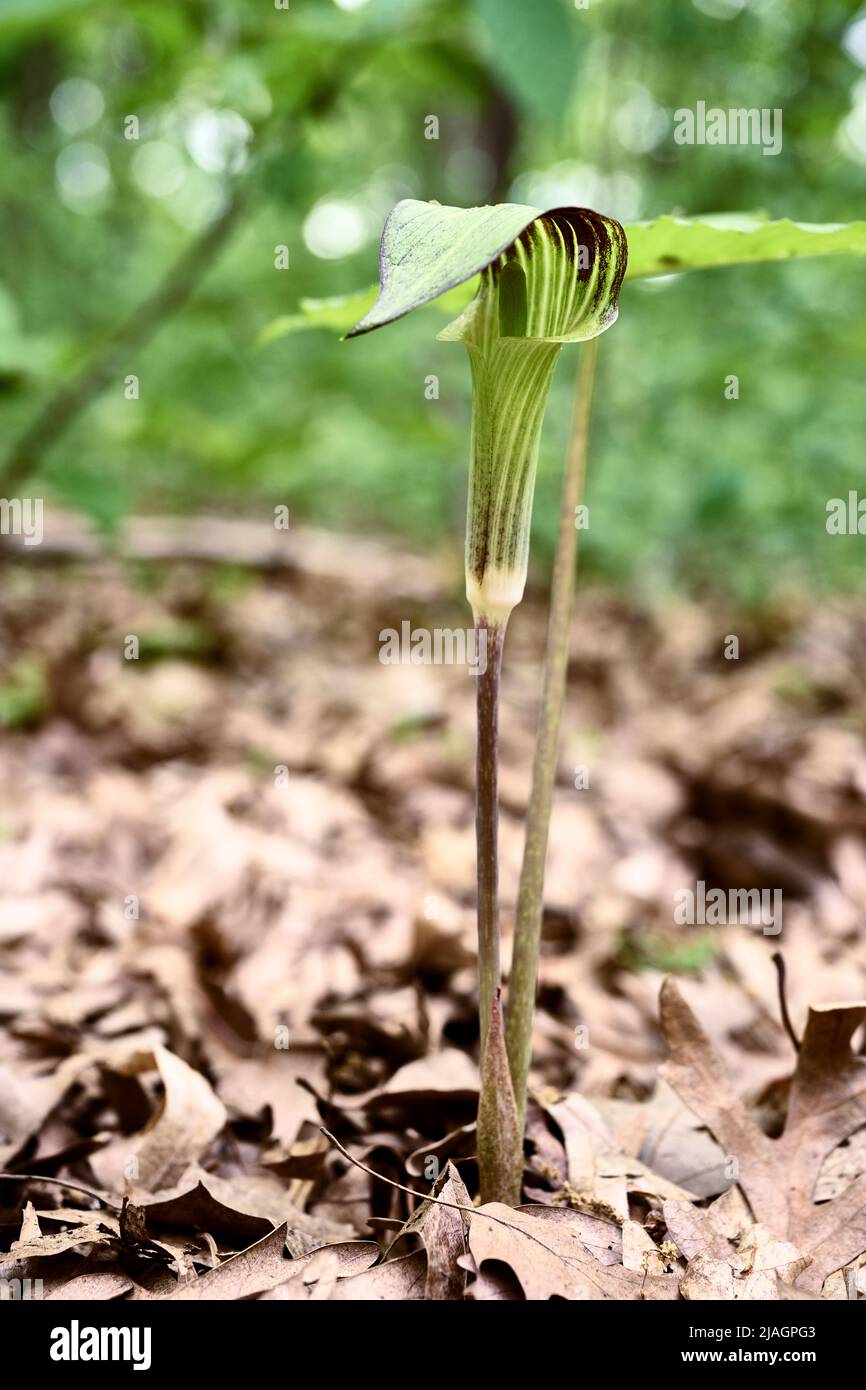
(205, 962)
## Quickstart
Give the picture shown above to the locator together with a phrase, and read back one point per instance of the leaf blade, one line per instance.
(669, 245)
(428, 248)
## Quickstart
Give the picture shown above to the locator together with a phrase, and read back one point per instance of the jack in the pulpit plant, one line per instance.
(546, 279)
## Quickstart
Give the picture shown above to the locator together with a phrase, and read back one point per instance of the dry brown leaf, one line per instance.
(40, 1246)
(708, 1279)
(266, 1265)
(550, 1260)
(841, 1167)
(30, 1228)
(671, 1141)
(641, 1254)
(27, 1099)
(272, 1079)
(449, 1074)
(827, 1103)
(601, 1236)
(188, 1120)
(693, 1231)
(750, 1265)
(197, 1208)
(239, 1209)
(599, 1175)
(97, 1286)
(443, 1231)
(763, 1261)
(402, 1279)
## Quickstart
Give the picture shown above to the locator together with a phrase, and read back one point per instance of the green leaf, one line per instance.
(338, 312)
(670, 244)
(31, 13)
(570, 261)
(23, 694)
(428, 249)
(660, 247)
(535, 50)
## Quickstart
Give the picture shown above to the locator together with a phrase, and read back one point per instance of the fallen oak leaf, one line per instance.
(196, 1208)
(600, 1176)
(567, 1239)
(551, 1261)
(641, 1254)
(443, 1231)
(96, 1286)
(401, 1280)
(751, 1268)
(827, 1103)
(601, 1235)
(239, 1209)
(41, 1246)
(262, 1267)
(188, 1119)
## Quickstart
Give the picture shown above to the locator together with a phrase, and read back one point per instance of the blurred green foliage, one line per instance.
(676, 956)
(23, 694)
(317, 115)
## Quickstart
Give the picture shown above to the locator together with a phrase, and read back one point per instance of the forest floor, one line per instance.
(237, 881)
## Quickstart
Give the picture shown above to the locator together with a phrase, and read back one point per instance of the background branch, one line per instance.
(75, 394)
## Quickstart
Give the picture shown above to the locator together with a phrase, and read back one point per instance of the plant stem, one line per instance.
(530, 899)
(487, 818)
